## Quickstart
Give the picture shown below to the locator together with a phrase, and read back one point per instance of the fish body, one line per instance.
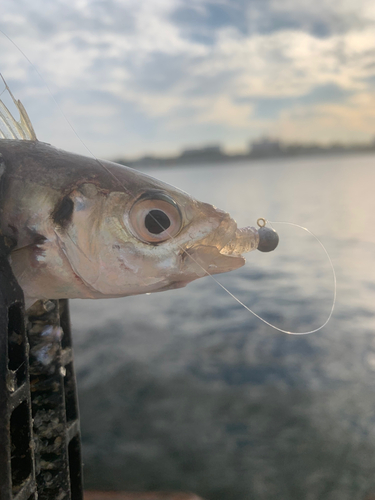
(88, 228)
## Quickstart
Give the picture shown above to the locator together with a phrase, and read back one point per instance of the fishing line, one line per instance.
(267, 322)
(207, 273)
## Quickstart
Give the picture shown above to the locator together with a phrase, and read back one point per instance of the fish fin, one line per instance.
(10, 128)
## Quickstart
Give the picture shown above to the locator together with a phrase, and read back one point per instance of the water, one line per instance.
(186, 390)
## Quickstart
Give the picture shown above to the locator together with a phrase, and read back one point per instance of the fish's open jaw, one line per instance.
(221, 251)
(203, 260)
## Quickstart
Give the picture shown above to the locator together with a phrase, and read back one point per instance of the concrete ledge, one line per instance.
(124, 495)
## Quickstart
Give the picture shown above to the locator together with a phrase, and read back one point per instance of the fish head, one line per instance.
(85, 228)
(156, 238)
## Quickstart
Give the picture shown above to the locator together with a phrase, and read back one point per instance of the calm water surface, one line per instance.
(186, 390)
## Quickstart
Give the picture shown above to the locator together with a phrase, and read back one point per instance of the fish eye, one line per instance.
(155, 219)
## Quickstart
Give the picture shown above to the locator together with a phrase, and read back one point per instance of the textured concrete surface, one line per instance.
(123, 495)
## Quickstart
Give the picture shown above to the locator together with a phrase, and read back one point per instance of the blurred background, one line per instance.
(264, 109)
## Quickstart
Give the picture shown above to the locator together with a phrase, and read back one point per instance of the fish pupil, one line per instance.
(157, 221)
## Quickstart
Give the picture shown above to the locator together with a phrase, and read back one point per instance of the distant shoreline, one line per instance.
(214, 157)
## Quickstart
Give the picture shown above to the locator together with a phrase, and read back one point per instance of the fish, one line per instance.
(80, 227)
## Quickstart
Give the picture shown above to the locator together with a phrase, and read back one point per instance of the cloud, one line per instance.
(167, 68)
(351, 121)
(270, 108)
(203, 19)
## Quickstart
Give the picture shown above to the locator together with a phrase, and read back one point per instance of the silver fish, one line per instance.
(88, 228)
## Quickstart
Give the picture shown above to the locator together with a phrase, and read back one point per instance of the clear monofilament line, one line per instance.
(267, 322)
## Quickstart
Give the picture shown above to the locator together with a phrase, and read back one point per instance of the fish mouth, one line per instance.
(204, 260)
(200, 261)
(215, 254)
(221, 250)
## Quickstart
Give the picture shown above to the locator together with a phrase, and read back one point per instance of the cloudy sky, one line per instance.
(155, 76)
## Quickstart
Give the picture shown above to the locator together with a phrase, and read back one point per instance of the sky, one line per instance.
(137, 77)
